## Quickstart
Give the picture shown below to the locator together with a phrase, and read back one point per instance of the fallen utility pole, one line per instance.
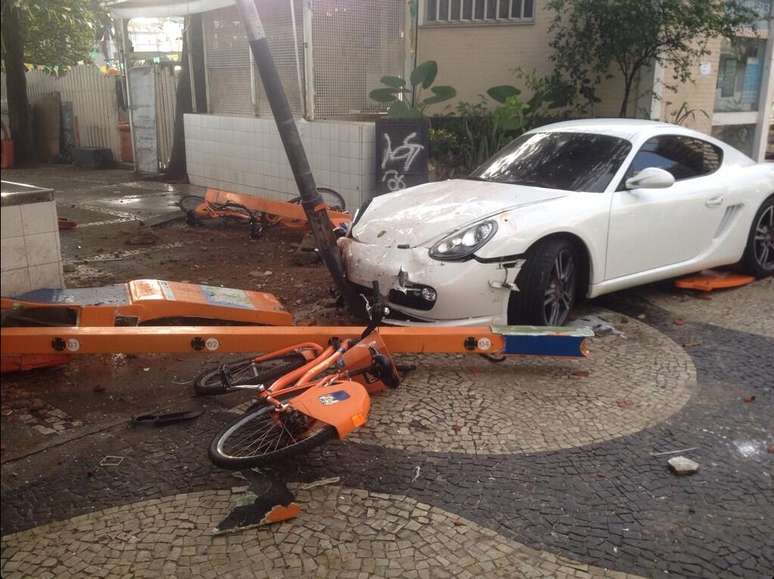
(312, 202)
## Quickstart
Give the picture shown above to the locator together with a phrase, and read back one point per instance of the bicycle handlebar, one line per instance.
(376, 310)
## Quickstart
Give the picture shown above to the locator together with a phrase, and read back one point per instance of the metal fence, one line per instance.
(354, 45)
(227, 57)
(166, 79)
(329, 53)
(94, 98)
(233, 85)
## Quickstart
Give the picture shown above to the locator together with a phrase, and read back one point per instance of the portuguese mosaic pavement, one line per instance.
(525, 468)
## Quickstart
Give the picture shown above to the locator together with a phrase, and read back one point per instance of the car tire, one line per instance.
(758, 258)
(541, 291)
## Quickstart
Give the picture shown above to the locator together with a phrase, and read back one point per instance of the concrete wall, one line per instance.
(245, 155)
(475, 57)
(31, 257)
(699, 93)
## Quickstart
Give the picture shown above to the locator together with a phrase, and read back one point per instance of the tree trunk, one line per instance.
(628, 82)
(193, 53)
(16, 81)
(177, 168)
(196, 58)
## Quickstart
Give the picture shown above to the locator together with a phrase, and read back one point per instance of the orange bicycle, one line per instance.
(199, 211)
(325, 396)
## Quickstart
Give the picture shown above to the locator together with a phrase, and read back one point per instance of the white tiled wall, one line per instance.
(245, 155)
(31, 257)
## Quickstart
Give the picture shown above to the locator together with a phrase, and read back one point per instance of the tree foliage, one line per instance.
(591, 37)
(58, 33)
(53, 34)
(404, 101)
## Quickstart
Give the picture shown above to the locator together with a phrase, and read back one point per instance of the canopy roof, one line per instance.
(163, 8)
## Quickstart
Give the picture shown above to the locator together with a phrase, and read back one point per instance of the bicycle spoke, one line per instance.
(251, 435)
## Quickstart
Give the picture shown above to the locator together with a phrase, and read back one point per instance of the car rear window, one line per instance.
(684, 157)
(557, 160)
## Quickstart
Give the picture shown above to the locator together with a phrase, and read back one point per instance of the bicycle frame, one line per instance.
(331, 388)
(340, 399)
(207, 210)
(258, 212)
(290, 215)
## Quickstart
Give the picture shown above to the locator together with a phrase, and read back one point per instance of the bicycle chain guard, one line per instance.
(344, 404)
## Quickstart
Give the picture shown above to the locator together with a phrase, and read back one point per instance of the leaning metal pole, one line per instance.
(312, 202)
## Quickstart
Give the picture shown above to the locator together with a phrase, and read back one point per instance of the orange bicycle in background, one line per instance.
(199, 210)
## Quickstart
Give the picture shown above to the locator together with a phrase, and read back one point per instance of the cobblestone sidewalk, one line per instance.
(522, 469)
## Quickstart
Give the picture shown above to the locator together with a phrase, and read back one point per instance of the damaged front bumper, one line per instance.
(467, 293)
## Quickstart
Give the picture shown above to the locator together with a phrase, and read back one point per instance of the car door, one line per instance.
(658, 228)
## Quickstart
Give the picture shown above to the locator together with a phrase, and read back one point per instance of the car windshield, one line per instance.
(568, 161)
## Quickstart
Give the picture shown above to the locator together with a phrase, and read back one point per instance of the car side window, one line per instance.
(684, 157)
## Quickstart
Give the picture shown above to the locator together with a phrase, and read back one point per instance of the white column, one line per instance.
(253, 92)
(411, 36)
(308, 62)
(766, 100)
(123, 26)
(657, 94)
(299, 78)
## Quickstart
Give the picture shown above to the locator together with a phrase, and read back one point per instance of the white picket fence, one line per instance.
(95, 102)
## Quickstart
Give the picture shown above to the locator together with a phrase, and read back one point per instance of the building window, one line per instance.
(466, 11)
(739, 75)
(762, 8)
(738, 136)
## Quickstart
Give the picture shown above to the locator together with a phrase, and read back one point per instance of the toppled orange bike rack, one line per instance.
(710, 280)
(513, 340)
(138, 302)
(291, 215)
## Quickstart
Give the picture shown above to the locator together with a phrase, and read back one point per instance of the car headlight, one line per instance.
(462, 244)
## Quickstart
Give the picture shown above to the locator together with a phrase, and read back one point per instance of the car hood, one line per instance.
(421, 214)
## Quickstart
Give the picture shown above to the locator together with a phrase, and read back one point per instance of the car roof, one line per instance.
(622, 128)
(640, 130)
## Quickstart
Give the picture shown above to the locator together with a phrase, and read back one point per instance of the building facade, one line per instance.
(331, 53)
(480, 43)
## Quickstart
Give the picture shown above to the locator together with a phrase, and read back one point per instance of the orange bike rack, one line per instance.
(141, 302)
(710, 280)
(290, 215)
(513, 340)
(145, 301)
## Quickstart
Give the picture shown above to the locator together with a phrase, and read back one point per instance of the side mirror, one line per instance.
(651, 178)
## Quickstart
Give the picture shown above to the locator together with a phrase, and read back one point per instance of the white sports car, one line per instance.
(573, 209)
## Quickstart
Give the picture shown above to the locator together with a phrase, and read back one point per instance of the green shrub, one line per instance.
(404, 101)
(476, 131)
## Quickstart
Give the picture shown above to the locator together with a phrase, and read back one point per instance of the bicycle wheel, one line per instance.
(265, 435)
(189, 203)
(332, 198)
(222, 379)
(234, 213)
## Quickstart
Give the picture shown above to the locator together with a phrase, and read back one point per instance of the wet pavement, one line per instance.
(528, 468)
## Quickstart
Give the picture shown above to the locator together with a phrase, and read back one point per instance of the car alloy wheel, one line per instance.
(559, 294)
(763, 241)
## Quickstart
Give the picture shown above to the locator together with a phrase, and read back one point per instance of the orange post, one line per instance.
(226, 339)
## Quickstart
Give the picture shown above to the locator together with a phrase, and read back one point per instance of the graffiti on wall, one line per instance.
(402, 153)
(402, 156)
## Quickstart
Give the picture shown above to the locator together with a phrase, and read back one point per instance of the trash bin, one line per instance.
(6, 154)
(126, 142)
